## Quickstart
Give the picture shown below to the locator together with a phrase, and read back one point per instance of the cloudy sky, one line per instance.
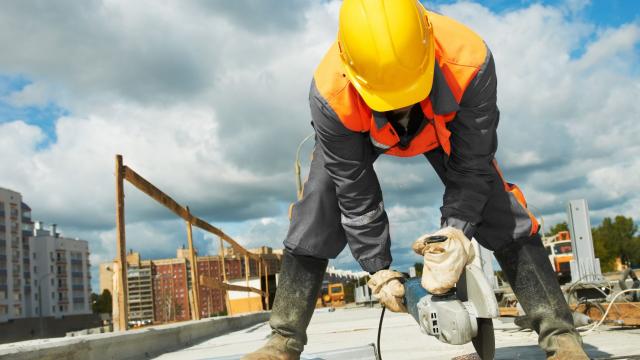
(207, 99)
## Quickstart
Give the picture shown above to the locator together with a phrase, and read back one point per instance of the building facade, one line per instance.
(140, 294)
(62, 273)
(171, 294)
(16, 267)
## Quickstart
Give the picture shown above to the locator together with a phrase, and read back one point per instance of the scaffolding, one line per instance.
(120, 308)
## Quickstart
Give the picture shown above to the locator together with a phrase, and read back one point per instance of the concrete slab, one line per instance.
(131, 345)
(357, 328)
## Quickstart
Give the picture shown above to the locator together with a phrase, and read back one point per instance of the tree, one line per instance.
(563, 226)
(418, 267)
(101, 303)
(616, 239)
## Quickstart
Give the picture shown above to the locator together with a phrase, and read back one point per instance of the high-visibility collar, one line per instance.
(438, 108)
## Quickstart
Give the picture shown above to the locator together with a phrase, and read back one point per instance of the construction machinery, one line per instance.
(560, 253)
(332, 294)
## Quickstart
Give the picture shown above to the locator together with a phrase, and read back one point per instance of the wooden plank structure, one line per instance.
(120, 315)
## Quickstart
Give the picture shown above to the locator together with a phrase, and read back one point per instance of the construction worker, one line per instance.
(404, 81)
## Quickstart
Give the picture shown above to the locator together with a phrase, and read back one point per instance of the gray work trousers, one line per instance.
(316, 229)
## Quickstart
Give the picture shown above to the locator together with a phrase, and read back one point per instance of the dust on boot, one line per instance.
(300, 282)
(526, 265)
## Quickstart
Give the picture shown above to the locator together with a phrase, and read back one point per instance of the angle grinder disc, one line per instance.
(485, 341)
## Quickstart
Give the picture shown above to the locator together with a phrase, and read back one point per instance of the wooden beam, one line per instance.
(121, 249)
(148, 188)
(214, 230)
(508, 311)
(266, 274)
(215, 284)
(195, 287)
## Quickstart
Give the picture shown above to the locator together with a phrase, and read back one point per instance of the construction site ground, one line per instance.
(356, 328)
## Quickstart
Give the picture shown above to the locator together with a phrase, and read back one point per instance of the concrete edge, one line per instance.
(134, 344)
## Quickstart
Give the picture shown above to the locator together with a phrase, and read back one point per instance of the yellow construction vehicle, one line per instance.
(560, 254)
(332, 295)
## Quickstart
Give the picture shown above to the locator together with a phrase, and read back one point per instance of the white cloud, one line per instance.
(210, 105)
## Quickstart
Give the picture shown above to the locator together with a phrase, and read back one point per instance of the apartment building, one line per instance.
(16, 295)
(171, 283)
(171, 294)
(62, 273)
(140, 286)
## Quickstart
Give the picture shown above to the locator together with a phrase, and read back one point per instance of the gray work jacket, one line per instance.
(348, 158)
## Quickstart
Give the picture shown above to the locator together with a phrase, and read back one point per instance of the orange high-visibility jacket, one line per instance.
(460, 54)
(460, 117)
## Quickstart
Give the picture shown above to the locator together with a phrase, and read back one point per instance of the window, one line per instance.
(60, 308)
(53, 309)
(35, 269)
(34, 255)
(53, 295)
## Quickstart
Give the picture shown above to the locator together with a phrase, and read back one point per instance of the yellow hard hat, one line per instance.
(387, 48)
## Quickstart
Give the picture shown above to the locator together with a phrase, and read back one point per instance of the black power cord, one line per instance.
(380, 331)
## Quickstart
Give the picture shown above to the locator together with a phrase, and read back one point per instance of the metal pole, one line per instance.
(121, 249)
(195, 282)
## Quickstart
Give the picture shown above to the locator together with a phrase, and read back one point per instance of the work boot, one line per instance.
(526, 266)
(300, 282)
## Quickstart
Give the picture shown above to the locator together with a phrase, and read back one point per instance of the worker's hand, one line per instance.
(386, 286)
(444, 261)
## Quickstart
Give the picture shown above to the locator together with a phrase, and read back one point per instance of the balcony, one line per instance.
(76, 261)
(77, 274)
(80, 287)
(61, 261)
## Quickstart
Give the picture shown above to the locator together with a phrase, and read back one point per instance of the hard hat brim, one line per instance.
(380, 100)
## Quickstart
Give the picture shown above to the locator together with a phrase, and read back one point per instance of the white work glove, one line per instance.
(386, 286)
(444, 261)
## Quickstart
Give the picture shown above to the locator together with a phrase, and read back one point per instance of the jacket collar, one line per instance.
(441, 96)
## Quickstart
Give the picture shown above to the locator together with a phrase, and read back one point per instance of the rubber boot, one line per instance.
(526, 266)
(300, 282)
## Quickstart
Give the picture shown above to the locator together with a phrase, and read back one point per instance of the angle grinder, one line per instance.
(460, 316)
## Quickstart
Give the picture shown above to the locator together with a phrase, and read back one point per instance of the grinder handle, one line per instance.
(435, 239)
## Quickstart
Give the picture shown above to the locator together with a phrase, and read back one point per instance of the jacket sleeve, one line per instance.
(469, 169)
(348, 158)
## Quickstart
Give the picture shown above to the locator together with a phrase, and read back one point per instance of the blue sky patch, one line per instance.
(42, 116)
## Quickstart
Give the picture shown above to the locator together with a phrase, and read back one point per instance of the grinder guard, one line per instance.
(454, 318)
